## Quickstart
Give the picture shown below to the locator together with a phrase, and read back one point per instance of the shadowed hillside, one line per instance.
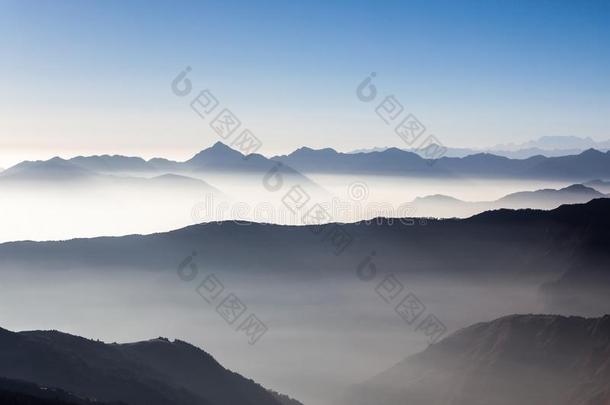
(154, 372)
(15, 392)
(518, 359)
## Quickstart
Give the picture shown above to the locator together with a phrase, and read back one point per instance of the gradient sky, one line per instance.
(84, 77)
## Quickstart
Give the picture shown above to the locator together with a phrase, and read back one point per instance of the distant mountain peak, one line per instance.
(56, 159)
(217, 151)
(393, 150)
(218, 145)
(591, 152)
(578, 188)
(305, 150)
(437, 198)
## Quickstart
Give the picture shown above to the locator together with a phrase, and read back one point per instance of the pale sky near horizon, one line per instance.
(94, 77)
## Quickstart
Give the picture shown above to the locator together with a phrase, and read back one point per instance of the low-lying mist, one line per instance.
(323, 336)
(65, 210)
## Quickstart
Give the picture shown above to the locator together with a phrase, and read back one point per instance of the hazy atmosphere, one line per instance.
(304, 203)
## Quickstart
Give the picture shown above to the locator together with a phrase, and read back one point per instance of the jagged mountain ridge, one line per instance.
(582, 167)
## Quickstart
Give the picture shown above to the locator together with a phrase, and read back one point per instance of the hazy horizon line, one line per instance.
(148, 157)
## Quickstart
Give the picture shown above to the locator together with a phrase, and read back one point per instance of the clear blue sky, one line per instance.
(94, 77)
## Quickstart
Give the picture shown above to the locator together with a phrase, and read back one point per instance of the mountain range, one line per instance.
(59, 174)
(524, 359)
(153, 372)
(584, 166)
(517, 359)
(136, 174)
(557, 142)
(549, 146)
(562, 251)
(217, 158)
(447, 207)
(55, 169)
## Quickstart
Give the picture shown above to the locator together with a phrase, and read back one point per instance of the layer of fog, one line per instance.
(63, 211)
(324, 336)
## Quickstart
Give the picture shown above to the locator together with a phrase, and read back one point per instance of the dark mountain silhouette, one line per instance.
(284, 399)
(586, 165)
(518, 359)
(489, 165)
(153, 372)
(566, 249)
(222, 157)
(566, 195)
(445, 206)
(392, 161)
(219, 158)
(15, 392)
